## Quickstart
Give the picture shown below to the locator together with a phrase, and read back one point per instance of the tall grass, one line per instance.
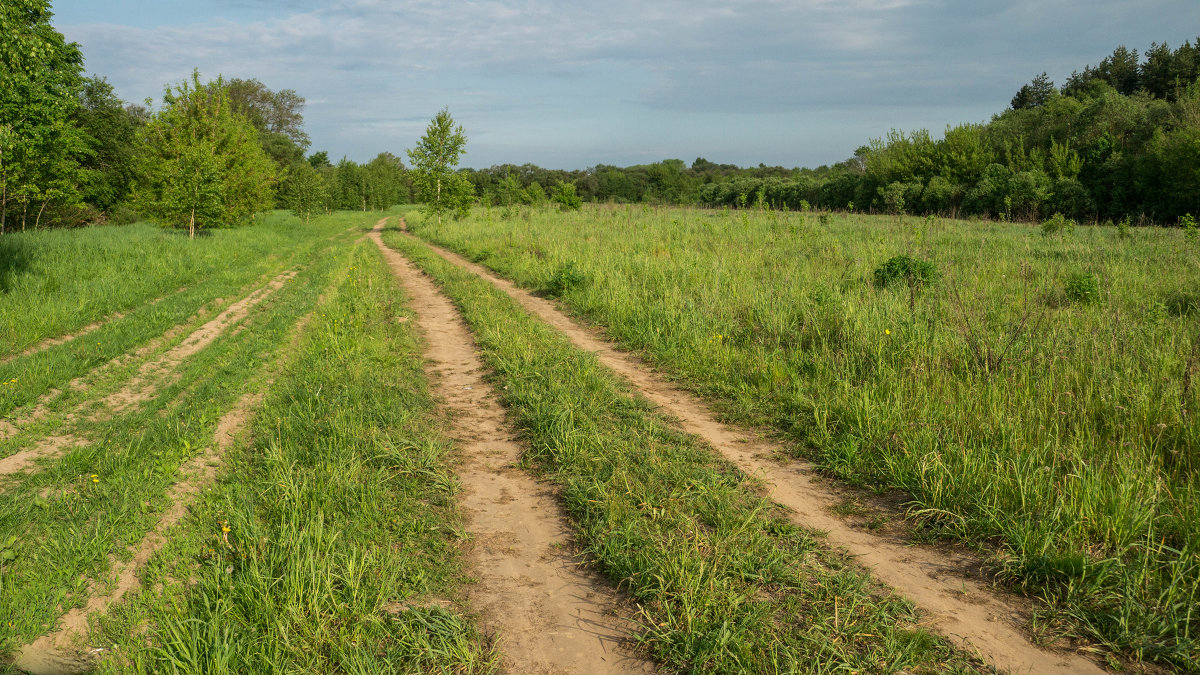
(331, 541)
(723, 581)
(1057, 431)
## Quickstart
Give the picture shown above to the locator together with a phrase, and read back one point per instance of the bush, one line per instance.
(564, 195)
(907, 269)
(1058, 225)
(565, 278)
(1082, 288)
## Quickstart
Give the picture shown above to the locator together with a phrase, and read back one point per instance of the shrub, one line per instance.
(1082, 288)
(1058, 225)
(913, 271)
(1123, 228)
(564, 195)
(566, 277)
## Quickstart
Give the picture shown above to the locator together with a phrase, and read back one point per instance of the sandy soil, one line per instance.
(959, 604)
(548, 614)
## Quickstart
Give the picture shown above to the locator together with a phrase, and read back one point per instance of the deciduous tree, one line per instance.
(434, 159)
(203, 165)
(40, 77)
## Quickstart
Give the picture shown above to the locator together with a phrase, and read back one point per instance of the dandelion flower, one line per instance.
(887, 331)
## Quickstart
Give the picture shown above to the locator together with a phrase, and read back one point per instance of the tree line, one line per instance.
(212, 154)
(1118, 140)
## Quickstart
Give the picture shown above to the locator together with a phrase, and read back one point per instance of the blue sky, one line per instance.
(570, 85)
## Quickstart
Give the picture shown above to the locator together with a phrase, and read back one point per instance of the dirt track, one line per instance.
(959, 605)
(548, 615)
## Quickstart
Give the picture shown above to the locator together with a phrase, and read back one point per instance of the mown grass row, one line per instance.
(330, 542)
(102, 496)
(56, 282)
(1041, 396)
(722, 580)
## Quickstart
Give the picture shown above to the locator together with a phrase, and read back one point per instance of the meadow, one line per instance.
(305, 423)
(232, 458)
(1029, 392)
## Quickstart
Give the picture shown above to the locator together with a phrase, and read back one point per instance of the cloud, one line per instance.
(373, 68)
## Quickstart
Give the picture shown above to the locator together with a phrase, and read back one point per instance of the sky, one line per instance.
(570, 85)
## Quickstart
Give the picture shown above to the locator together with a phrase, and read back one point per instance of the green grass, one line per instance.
(340, 506)
(722, 581)
(55, 282)
(1047, 430)
(383, 528)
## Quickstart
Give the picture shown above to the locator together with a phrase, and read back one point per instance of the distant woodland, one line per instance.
(1118, 140)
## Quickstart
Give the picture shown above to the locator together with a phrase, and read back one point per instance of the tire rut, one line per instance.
(142, 386)
(52, 654)
(549, 615)
(959, 606)
(80, 332)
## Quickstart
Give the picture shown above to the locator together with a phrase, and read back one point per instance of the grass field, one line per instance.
(329, 539)
(232, 461)
(1035, 399)
(723, 582)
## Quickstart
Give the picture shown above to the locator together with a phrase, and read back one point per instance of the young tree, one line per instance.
(203, 165)
(304, 191)
(434, 159)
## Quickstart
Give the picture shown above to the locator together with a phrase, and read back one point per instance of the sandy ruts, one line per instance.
(968, 612)
(548, 614)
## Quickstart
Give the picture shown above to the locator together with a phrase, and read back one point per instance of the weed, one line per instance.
(567, 277)
(1082, 288)
(912, 271)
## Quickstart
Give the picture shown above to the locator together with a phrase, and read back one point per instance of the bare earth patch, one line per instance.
(549, 615)
(960, 605)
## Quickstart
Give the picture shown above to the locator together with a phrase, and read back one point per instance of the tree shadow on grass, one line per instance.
(15, 257)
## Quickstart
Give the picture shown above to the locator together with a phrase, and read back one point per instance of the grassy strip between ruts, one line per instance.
(223, 265)
(68, 523)
(330, 542)
(723, 581)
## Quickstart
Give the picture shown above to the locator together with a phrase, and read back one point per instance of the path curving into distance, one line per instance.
(959, 606)
(548, 614)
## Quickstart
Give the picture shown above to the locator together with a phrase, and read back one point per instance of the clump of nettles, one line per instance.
(1082, 288)
(1123, 229)
(1058, 225)
(566, 277)
(906, 269)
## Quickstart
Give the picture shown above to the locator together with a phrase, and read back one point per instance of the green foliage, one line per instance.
(304, 191)
(1082, 288)
(434, 158)
(1123, 230)
(564, 195)
(1190, 231)
(203, 165)
(40, 145)
(109, 166)
(907, 269)
(1058, 225)
(566, 277)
